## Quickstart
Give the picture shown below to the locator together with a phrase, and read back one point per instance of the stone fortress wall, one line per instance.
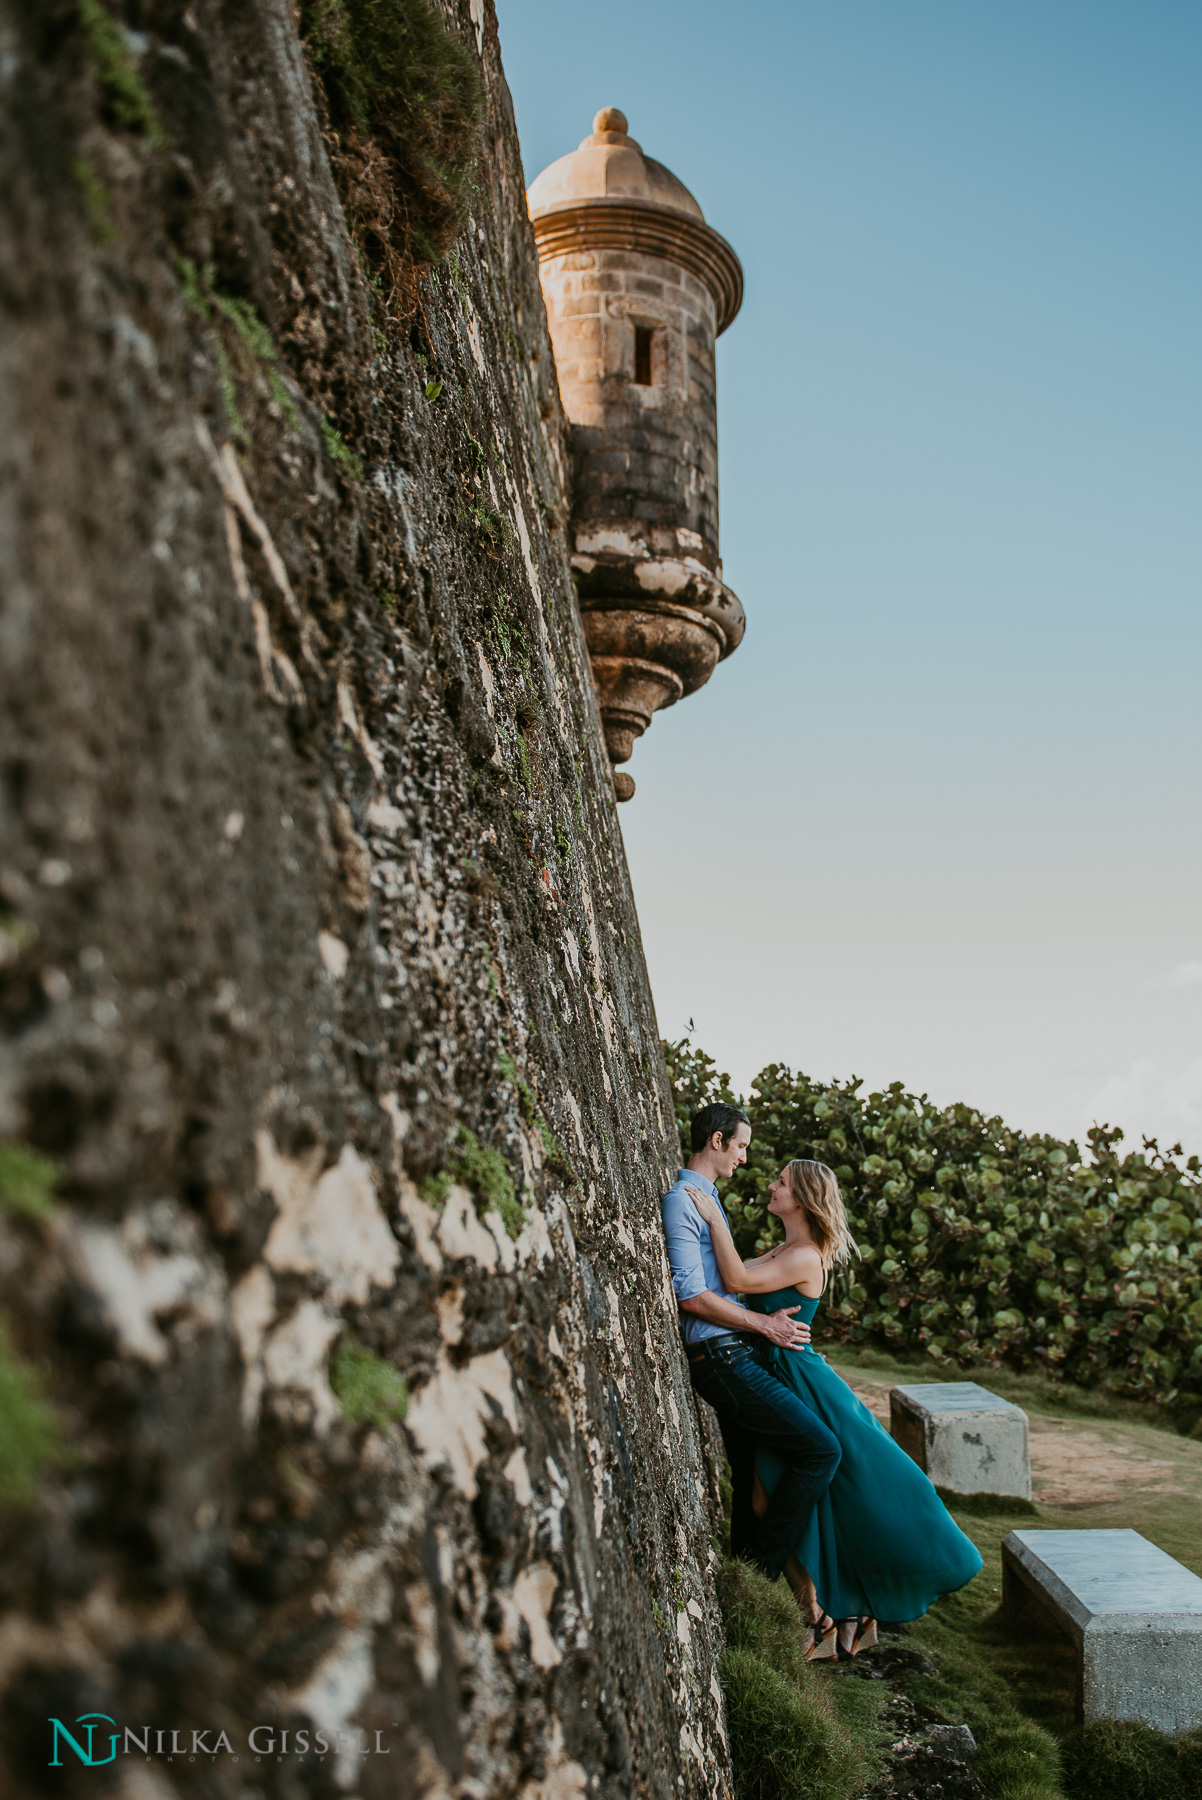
(322, 984)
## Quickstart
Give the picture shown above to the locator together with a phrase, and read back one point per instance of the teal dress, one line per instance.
(880, 1541)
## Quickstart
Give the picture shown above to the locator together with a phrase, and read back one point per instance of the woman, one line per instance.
(881, 1544)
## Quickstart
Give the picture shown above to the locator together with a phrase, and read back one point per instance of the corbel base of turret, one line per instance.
(644, 659)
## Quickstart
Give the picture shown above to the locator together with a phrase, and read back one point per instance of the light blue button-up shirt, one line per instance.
(691, 1254)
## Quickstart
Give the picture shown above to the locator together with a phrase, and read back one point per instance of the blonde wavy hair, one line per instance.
(816, 1191)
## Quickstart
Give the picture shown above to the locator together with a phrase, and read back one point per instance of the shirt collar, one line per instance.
(696, 1180)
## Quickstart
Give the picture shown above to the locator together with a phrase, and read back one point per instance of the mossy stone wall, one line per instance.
(322, 986)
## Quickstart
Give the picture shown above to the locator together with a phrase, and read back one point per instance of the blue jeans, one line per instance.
(755, 1409)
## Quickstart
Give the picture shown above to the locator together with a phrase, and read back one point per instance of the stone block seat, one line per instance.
(1134, 1614)
(964, 1438)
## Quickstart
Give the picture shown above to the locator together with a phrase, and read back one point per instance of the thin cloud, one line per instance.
(1151, 1102)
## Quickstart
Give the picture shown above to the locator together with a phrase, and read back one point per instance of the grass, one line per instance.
(1014, 1693)
(791, 1732)
(1121, 1761)
(1014, 1684)
(403, 109)
(795, 1729)
(1170, 1519)
(1030, 1390)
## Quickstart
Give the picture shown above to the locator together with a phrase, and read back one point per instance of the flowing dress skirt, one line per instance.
(880, 1540)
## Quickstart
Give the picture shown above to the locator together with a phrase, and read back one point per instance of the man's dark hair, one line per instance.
(715, 1117)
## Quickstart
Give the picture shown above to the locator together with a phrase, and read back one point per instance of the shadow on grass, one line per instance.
(988, 1506)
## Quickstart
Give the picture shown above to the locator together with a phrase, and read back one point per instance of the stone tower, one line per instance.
(638, 288)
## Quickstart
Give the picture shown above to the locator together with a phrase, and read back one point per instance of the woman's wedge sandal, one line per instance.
(864, 1639)
(823, 1644)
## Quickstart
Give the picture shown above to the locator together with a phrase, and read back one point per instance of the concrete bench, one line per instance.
(965, 1438)
(1133, 1613)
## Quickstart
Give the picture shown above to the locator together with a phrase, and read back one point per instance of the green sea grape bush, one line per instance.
(979, 1243)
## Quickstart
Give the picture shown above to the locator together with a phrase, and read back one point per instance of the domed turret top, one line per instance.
(609, 165)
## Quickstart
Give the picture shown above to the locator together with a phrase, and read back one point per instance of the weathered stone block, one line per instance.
(1134, 1614)
(963, 1437)
(575, 304)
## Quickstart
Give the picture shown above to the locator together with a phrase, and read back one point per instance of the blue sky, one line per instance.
(937, 820)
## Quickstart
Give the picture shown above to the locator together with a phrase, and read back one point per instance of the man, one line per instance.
(729, 1352)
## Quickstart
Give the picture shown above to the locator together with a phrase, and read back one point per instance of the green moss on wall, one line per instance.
(253, 350)
(369, 1390)
(340, 452)
(533, 1115)
(96, 200)
(125, 99)
(403, 106)
(27, 1181)
(472, 1165)
(29, 1434)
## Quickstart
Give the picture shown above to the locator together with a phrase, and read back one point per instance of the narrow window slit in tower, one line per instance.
(642, 355)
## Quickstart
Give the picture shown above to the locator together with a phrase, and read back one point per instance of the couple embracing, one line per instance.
(820, 1493)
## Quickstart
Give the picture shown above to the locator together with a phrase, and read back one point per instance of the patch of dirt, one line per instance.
(1070, 1464)
(1073, 1466)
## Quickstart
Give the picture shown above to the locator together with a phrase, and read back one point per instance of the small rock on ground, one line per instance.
(929, 1758)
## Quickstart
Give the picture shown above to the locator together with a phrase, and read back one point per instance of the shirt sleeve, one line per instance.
(682, 1229)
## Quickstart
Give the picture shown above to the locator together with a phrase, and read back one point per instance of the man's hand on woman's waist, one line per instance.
(783, 1329)
(780, 1328)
